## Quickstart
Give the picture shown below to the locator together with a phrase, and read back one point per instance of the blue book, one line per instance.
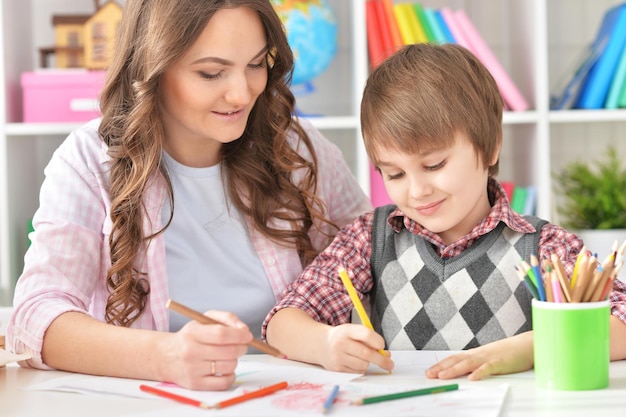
(433, 23)
(596, 87)
(530, 204)
(615, 90)
(568, 90)
(444, 27)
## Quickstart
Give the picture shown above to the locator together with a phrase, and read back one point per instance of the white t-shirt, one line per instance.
(211, 263)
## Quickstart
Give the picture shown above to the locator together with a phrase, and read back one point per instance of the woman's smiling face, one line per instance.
(207, 96)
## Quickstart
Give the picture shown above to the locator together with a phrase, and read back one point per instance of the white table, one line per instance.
(523, 398)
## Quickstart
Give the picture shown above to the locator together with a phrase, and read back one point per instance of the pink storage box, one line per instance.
(61, 96)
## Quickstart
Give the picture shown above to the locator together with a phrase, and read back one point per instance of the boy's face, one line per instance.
(443, 190)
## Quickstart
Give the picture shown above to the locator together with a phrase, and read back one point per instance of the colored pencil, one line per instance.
(562, 276)
(330, 400)
(572, 281)
(557, 294)
(548, 282)
(251, 395)
(529, 271)
(356, 302)
(583, 277)
(541, 291)
(406, 394)
(527, 281)
(609, 282)
(172, 396)
(201, 318)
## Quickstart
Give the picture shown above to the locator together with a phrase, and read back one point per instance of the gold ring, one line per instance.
(213, 368)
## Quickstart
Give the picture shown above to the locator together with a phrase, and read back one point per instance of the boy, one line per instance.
(439, 265)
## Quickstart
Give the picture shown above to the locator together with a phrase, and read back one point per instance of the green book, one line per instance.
(621, 100)
(518, 202)
(421, 17)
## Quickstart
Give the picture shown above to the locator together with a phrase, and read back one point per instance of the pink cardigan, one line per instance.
(66, 264)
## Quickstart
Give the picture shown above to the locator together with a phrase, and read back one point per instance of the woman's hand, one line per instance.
(506, 356)
(352, 347)
(204, 356)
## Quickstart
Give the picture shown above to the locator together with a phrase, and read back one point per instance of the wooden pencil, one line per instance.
(562, 276)
(527, 281)
(170, 395)
(583, 277)
(541, 289)
(547, 280)
(609, 282)
(330, 399)
(406, 394)
(201, 318)
(251, 395)
(602, 272)
(572, 281)
(356, 302)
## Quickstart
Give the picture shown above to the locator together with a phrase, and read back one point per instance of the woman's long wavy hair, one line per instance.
(258, 168)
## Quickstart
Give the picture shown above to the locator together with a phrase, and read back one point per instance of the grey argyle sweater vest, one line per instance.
(420, 301)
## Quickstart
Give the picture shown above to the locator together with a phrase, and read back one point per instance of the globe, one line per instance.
(312, 35)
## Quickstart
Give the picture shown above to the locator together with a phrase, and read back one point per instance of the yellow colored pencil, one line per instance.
(356, 302)
(572, 281)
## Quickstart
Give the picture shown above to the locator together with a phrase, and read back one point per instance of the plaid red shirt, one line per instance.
(320, 292)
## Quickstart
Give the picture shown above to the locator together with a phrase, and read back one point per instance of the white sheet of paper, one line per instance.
(251, 375)
(307, 400)
(307, 391)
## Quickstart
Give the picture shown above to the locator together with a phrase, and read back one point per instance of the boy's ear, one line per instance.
(496, 152)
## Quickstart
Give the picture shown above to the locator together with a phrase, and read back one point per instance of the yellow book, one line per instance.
(419, 35)
(406, 32)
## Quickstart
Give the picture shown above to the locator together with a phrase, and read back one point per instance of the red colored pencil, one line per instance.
(252, 394)
(172, 396)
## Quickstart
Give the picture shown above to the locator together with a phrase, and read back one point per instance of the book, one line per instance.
(567, 91)
(433, 23)
(383, 28)
(374, 44)
(530, 203)
(418, 9)
(510, 93)
(617, 83)
(595, 89)
(396, 38)
(416, 27)
(508, 186)
(444, 27)
(451, 23)
(621, 101)
(404, 26)
(518, 202)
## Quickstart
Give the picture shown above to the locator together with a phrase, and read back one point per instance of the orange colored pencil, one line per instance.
(166, 394)
(251, 395)
(201, 318)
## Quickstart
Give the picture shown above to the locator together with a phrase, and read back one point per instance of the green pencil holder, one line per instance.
(571, 345)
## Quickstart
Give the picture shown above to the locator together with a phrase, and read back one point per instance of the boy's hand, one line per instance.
(510, 355)
(352, 347)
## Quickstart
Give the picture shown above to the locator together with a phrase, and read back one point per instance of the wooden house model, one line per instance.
(84, 41)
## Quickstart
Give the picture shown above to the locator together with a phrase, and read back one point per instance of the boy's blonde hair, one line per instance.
(425, 94)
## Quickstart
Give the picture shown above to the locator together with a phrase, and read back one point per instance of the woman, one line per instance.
(197, 185)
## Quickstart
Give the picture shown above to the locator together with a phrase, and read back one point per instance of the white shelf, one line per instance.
(587, 116)
(535, 40)
(39, 129)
